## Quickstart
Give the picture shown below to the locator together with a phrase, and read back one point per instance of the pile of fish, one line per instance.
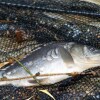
(58, 40)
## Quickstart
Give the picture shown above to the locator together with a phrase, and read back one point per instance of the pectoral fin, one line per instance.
(66, 56)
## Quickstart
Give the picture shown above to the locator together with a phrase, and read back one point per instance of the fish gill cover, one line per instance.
(27, 24)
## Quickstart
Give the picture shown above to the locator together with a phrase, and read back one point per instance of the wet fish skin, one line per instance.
(53, 58)
(62, 92)
(45, 60)
(82, 87)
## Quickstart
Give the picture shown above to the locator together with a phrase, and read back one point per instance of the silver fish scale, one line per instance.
(80, 29)
(80, 88)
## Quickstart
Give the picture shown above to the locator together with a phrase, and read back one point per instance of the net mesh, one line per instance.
(79, 88)
(27, 24)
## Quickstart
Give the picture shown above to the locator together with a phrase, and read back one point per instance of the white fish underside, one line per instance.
(52, 59)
